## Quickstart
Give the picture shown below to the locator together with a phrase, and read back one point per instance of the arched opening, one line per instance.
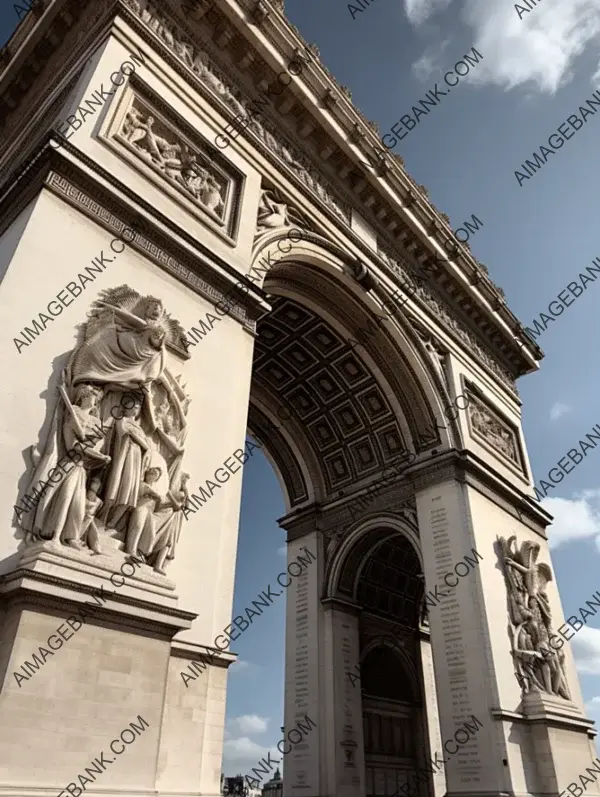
(389, 592)
(331, 418)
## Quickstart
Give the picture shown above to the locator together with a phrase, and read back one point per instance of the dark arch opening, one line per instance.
(391, 583)
(383, 675)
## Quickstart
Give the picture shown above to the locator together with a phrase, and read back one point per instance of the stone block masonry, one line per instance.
(576, 791)
(58, 638)
(98, 765)
(422, 775)
(97, 99)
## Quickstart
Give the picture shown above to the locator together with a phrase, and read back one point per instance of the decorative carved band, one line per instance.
(447, 319)
(191, 55)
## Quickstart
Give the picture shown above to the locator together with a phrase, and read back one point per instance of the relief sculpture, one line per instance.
(493, 430)
(124, 413)
(193, 56)
(538, 666)
(164, 150)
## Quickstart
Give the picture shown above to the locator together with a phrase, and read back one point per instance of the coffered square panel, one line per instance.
(305, 366)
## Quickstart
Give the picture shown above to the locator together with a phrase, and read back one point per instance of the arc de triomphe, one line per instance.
(202, 236)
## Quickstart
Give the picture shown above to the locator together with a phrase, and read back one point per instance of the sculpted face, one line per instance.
(153, 310)
(87, 399)
(133, 411)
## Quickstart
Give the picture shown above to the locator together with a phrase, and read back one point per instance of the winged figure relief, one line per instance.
(538, 666)
(127, 489)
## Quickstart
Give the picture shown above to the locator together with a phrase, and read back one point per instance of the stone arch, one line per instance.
(360, 539)
(314, 279)
(321, 252)
(407, 664)
(392, 701)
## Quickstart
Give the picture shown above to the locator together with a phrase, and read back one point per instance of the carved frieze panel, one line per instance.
(539, 666)
(193, 57)
(120, 424)
(157, 141)
(448, 320)
(489, 428)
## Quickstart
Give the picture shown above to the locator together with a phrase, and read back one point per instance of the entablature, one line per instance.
(311, 130)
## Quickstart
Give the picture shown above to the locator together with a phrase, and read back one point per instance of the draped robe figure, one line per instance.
(119, 400)
(538, 666)
(59, 512)
(126, 350)
(130, 454)
(166, 528)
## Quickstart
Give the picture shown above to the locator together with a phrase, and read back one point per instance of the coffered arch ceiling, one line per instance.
(333, 415)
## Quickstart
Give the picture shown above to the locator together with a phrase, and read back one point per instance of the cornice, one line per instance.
(288, 158)
(389, 171)
(28, 588)
(333, 134)
(466, 467)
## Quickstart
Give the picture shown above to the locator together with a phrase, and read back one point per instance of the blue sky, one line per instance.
(536, 238)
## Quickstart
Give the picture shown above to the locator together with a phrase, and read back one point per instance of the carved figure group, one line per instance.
(197, 61)
(173, 157)
(126, 491)
(538, 666)
(493, 431)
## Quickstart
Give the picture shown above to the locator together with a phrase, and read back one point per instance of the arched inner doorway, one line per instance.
(389, 593)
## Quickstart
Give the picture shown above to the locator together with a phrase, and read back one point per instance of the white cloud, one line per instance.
(575, 518)
(586, 650)
(240, 755)
(282, 551)
(419, 10)
(558, 410)
(249, 724)
(430, 62)
(538, 51)
(593, 706)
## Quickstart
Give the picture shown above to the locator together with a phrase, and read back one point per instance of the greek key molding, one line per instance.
(183, 268)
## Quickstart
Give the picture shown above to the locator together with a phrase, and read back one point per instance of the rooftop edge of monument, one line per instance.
(334, 132)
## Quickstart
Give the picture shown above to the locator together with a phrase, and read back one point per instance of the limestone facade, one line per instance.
(333, 325)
